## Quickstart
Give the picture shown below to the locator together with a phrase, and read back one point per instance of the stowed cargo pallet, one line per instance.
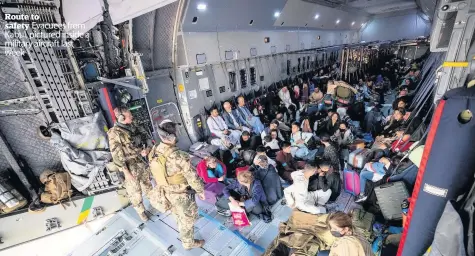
(160, 236)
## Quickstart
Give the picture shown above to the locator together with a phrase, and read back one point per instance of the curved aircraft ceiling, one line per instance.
(228, 15)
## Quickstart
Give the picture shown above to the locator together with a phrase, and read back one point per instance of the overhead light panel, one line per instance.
(352, 23)
(337, 21)
(201, 7)
(316, 16)
(276, 14)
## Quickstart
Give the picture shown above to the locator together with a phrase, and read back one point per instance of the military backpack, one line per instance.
(57, 186)
(363, 223)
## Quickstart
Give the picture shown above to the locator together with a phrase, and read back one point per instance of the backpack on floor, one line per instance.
(344, 95)
(57, 187)
(363, 223)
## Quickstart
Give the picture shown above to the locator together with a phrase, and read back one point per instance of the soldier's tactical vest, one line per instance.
(159, 169)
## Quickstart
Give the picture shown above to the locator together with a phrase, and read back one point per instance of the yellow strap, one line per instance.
(471, 83)
(453, 64)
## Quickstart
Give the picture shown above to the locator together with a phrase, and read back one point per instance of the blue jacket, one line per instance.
(256, 195)
(229, 120)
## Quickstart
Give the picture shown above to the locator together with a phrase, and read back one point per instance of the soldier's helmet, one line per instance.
(169, 126)
(45, 174)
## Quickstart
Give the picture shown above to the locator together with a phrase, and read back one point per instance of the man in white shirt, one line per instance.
(298, 196)
(218, 128)
(284, 96)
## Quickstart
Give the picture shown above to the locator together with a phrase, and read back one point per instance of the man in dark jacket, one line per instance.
(269, 178)
(232, 119)
(245, 192)
(286, 163)
(249, 141)
(328, 179)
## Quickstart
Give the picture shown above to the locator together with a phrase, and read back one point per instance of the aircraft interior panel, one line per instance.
(389, 72)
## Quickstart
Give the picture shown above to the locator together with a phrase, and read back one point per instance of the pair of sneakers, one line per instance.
(223, 212)
(361, 198)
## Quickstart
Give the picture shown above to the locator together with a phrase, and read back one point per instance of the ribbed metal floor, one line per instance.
(223, 243)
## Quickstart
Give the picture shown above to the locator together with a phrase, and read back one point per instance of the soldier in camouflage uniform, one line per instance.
(177, 181)
(127, 152)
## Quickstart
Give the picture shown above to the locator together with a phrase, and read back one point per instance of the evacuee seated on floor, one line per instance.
(245, 192)
(333, 124)
(298, 196)
(262, 151)
(211, 170)
(330, 153)
(346, 118)
(349, 243)
(269, 178)
(326, 179)
(395, 123)
(286, 163)
(274, 125)
(271, 144)
(343, 137)
(249, 141)
(373, 171)
(299, 142)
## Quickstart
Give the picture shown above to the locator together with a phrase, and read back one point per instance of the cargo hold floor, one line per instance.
(160, 236)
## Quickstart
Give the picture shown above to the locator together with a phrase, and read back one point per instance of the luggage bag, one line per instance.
(203, 149)
(213, 191)
(390, 197)
(359, 157)
(351, 181)
(363, 223)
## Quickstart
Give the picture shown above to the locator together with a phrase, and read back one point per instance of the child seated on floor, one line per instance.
(211, 170)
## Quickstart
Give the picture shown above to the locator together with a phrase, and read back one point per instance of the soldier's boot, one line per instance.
(143, 216)
(196, 244)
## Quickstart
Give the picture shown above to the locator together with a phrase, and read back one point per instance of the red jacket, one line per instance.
(202, 171)
(400, 145)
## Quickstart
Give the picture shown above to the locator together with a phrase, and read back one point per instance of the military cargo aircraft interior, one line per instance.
(237, 127)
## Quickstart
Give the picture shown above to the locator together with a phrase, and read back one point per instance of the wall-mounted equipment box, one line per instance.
(253, 52)
(229, 55)
(201, 58)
